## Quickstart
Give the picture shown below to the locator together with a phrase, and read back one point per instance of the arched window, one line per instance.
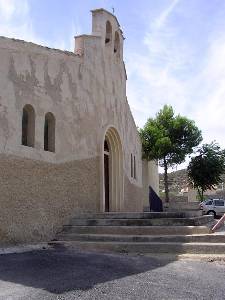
(28, 126)
(133, 168)
(131, 165)
(117, 43)
(135, 175)
(108, 33)
(49, 132)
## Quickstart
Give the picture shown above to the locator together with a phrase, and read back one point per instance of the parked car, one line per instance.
(215, 207)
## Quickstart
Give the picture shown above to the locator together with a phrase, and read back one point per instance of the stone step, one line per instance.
(135, 215)
(143, 222)
(137, 230)
(200, 238)
(154, 247)
(181, 206)
(178, 213)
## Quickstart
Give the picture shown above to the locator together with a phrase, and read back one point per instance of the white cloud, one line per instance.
(165, 74)
(209, 110)
(152, 79)
(9, 8)
(161, 20)
(67, 42)
(15, 20)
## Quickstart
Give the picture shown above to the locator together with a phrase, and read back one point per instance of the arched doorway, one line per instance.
(113, 171)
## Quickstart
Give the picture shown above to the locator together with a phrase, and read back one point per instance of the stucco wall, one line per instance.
(86, 95)
(145, 188)
(36, 197)
(153, 175)
(150, 177)
(133, 199)
(86, 92)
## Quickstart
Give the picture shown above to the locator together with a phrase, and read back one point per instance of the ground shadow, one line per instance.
(63, 270)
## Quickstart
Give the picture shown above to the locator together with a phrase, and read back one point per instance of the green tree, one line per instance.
(168, 138)
(206, 168)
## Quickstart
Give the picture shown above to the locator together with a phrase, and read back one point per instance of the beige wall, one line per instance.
(86, 92)
(150, 177)
(37, 198)
(153, 176)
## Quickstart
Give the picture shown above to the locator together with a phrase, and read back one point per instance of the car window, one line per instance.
(219, 202)
(209, 202)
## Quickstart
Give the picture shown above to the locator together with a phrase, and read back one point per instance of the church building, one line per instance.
(68, 140)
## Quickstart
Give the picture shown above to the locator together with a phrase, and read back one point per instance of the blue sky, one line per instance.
(174, 50)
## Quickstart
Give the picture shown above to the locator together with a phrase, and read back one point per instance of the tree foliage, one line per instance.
(206, 168)
(168, 138)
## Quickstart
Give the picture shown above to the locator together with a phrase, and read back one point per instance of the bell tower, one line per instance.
(106, 25)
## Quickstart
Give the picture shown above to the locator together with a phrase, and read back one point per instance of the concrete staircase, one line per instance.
(167, 232)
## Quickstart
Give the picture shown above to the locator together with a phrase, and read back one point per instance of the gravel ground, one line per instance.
(67, 274)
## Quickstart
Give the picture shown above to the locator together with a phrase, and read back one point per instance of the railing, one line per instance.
(218, 223)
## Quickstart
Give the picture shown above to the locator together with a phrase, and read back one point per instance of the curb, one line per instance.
(23, 248)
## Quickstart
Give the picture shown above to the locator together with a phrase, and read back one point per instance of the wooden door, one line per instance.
(106, 170)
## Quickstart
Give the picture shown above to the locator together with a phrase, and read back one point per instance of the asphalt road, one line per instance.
(67, 274)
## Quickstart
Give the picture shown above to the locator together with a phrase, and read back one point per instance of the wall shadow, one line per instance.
(61, 270)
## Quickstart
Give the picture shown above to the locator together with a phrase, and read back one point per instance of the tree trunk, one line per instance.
(200, 193)
(166, 181)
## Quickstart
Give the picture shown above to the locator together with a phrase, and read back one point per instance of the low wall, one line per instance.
(36, 198)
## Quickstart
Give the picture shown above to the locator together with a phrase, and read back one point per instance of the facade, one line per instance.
(68, 141)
